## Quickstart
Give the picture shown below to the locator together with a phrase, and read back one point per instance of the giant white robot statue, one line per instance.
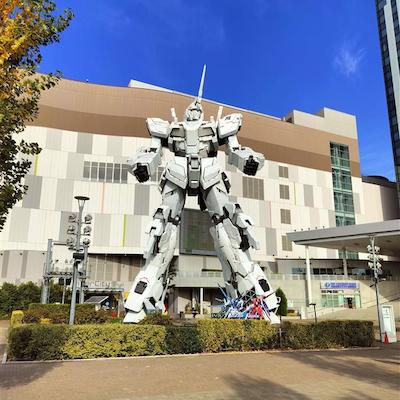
(194, 171)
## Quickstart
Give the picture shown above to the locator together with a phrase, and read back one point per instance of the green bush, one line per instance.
(156, 318)
(111, 340)
(37, 342)
(182, 340)
(59, 314)
(328, 334)
(13, 297)
(43, 342)
(282, 309)
(229, 335)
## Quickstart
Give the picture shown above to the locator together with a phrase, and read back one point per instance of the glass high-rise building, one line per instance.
(389, 35)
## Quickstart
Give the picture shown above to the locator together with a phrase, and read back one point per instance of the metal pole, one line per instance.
(63, 293)
(46, 269)
(73, 300)
(83, 275)
(315, 313)
(201, 300)
(344, 260)
(378, 301)
(76, 262)
(308, 277)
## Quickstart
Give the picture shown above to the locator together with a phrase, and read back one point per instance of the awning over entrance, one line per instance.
(354, 237)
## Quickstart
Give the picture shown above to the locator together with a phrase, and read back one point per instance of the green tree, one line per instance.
(9, 298)
(56, 292)
(28, 293)
(13, 297)
(25, 27)
(282, 309)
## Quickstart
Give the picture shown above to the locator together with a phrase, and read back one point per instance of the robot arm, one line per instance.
(144, 164)
(146, 160)
(243, 158)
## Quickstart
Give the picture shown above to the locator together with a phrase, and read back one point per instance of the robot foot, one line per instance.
(273, 318)
(132, 317)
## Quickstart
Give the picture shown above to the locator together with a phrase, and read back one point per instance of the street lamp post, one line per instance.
(77, 255)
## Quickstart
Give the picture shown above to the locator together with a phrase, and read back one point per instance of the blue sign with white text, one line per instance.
(339, 285)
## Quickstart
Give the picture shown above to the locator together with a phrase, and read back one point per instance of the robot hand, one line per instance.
(141, 172)
(145, 163)
(252, 161)
(251, 165)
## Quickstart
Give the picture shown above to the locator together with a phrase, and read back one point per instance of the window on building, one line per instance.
(124, 173)
(298, 271)
(105, 172)
(253, 188)
(117, 173)
(109, 174)
(343, 220)
(286, 243)
(195, 237)
(86, 169)
(283, 172)
(343, 202)
(285, 216)
(94, 171)
(102, 172)
(341, 179)
(340, 156)
(284, 192)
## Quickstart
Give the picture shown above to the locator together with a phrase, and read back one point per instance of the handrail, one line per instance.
(218, 274)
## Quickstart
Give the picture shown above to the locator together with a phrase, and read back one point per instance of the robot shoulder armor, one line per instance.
(158, 127)
(229, 125)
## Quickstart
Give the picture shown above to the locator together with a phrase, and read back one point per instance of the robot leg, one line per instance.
(150, 285)
(232, 236)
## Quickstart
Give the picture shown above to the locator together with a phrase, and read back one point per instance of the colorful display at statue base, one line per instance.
(246, 306)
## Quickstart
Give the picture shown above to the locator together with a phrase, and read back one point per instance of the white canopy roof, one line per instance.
(354, 237)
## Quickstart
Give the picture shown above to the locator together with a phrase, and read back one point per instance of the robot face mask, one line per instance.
(194, 112)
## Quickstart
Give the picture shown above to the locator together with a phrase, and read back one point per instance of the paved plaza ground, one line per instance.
(346, 375)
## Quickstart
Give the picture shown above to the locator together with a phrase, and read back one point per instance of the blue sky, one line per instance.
(269, 56)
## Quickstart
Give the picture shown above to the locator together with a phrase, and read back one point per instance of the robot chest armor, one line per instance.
(190, 140)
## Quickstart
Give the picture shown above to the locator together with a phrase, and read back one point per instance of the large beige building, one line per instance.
(311, 179)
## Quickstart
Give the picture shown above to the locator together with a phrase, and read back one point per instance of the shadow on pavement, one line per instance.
(248, 387)
(367, 366)
(12, 375)
(353, 395)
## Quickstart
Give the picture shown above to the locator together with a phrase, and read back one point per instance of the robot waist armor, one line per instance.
(192, 173)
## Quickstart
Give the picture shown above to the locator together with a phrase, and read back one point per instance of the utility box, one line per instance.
(388, 325)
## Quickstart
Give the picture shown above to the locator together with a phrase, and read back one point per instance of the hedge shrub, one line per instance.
(328, 334)
(231, 335)
(156, 318)
(44, 342)
(59, 314)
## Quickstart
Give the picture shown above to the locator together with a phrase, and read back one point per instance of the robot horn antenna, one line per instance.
(200, 94)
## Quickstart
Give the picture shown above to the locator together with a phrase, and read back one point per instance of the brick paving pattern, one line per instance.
(345, 375)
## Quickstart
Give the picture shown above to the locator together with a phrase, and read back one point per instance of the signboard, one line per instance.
(106, 285)
(334, 285)
(388, 324)
(62, 260)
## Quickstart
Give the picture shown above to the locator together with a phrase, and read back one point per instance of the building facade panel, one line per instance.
(85, 152)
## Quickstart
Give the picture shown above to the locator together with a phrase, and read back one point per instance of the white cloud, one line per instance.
(348, 59)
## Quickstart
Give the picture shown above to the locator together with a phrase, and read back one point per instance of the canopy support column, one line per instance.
(344, 259)
(308, 276)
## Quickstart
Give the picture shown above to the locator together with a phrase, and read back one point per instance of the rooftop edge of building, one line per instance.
(326, 119)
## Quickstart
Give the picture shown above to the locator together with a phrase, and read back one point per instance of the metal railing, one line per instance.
(202, 274)
(294, 277)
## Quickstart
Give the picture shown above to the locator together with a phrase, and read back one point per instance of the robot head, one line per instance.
(194, 112)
